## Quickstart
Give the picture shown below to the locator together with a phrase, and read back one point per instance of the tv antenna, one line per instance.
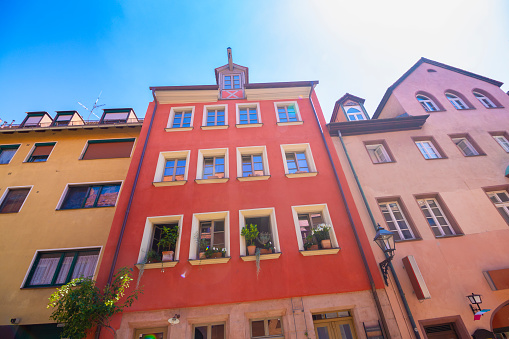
(93, 107)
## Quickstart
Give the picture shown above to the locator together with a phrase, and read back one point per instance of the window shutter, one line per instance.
(107, 150)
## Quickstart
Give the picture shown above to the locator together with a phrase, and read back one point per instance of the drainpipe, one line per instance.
(385, 328)
(396, 279)
(128, 209)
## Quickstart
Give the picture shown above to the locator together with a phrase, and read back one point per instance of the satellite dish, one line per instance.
(93, 107)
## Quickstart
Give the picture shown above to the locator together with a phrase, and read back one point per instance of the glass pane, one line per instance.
(75, 197)
(217, 332)
(14, 200)
(6, 155)
(257, 328)
(64, 269)
(200, 332)
(323, 332)
(85, 265)
(275, 327)
(346, 332)
(45, 270)
(108, 196)
(92, 196)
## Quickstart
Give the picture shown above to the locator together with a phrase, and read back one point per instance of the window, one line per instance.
(501, 201)
(248, 115)
(107, 149)
(41, 152)
(427, 103)
(212, 165)
(396, 220)
(63, 119)
(436, 218)
(502, 141)
(115, 117)
(265, 220)
(267, 328)
(33, 121)
(232, 81)
(209, 229)
(88, 196)
(156, 237)
(354, 113)
(308, 217)
(151, 333)
(428, 149)
(287, 112)
(58, 268)
(456, 101)
(151, 237)
(13, 199)
(487, 102)
(378, 152)
(298, 160)
(215, 117)
(465, 146)
(7, 152)
(172, 168)
(252, 163)
(182, 119)
(209, 331)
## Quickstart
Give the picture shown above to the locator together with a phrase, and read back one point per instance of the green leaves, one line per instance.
(82, 306)
(250, 233)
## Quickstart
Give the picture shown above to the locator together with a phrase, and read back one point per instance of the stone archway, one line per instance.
(500, 321)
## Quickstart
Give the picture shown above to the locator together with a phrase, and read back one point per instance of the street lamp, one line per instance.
(475, 299)
(385, 240)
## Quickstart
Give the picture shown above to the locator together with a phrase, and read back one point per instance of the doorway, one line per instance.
(334, 325)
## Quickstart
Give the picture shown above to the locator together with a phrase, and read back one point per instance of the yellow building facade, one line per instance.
(59, 182)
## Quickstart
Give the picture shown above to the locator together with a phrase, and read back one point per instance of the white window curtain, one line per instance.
(45, 271)
(64, 270)
(85, 266)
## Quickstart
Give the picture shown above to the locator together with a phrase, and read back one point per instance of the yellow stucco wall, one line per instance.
(38, 225)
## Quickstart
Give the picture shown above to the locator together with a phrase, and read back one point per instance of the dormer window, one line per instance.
(354, 113)
(118, 116)
(62, 120)
(111, 118)
(37, 119)
(232, 81)
(33, 121)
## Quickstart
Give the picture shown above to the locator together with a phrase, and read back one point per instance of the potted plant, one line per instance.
(322, 234)
(203, 245)
(310, 244)
(250, 233)
(213, 252)
(264, 239)
(153, 256)
(169, 236)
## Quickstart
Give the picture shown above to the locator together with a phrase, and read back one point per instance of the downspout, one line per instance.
(128, 209)
(385, 328)
(396, 279)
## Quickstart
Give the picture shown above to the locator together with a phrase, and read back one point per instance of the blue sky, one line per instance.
(56, 53)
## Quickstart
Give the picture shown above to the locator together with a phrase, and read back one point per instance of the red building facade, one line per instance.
(212, 159)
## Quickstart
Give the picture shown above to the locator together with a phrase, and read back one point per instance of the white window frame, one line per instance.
(376, 152)
(306, 148)
(265, 323)
(434, 217)
(467, 144)
(161, 162)
(255, 105)
(355, 114)
(49, 250)
(484, 100)
(395, 221)
(428, 149)
(171, 117)
(64, 193)
(254, 213)
(195, 229)
(499, 205)
(35, 146)
(252, 150)
(456, 101)
(502, 141)
(317, 208)
(297, 112)
(232, 81)
(150, 224)
(427, 103)
(213, 152)
(214, 107)
(6, 191)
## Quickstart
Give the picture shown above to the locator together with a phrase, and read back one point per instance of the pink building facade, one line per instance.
(431, 166)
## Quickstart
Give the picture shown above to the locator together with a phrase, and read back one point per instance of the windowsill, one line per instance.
(214, 127)
(436, 158)
(211, 181)
(209, 261)
(473, 156)
(301, 175)
(178, 129)
(82, 208)
(248, 125)
(407, 240)
(290, 123)
(440, 110)
(254, 178)
(268, 256)
(169, 183)
(34, 162)
(449, 236)
(465, 109)
(162, 264)
(326, 251)
(387, 162)
(493, 107)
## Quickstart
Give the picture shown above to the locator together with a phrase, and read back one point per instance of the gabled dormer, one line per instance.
(231, 79)
(68, 118)
(118, 116)
(349, 108)
(37, 119)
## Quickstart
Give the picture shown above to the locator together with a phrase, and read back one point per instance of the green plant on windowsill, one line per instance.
(250, 233)
(310, 241)
(211, 251)
(153, 256)
(169, 237)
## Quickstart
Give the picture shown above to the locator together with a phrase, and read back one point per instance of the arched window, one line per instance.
(354, 114)
(427, 103)
(456, 101)
(484, 100)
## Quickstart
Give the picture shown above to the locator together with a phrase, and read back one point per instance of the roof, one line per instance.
(341, 100)
(434, 63)
(241, 68)
(377, 126)
(248, 86)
